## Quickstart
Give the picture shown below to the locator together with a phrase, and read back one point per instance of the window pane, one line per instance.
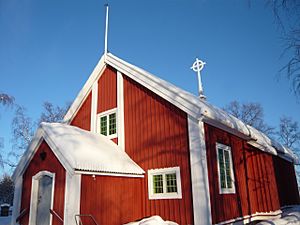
(158, 184)
(228, 171)
(112, 124)
(103, 125)
(222, 168)
(171, 183)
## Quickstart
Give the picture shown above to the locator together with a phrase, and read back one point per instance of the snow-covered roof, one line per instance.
(81, 151)
(189, 103)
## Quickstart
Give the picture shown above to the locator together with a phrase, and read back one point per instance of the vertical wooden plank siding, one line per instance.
(52, 165)
(111, 200)
(255, 183)
(286, 182)
(156, 136)
(83, 116)
(107, 90)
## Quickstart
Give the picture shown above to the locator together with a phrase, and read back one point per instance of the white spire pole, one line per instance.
(106, 30)
(197, 67)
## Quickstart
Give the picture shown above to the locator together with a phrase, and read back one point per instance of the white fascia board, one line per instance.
(226, 128)
(199, 173)
(85, 91)
(170, 92)
(268, 149)
(94, 107)
(17, 199)
(108, 174)
(32, 149)
(287, 158)
(72, 197)
(28, 154)
(120, 108)
(61, 157)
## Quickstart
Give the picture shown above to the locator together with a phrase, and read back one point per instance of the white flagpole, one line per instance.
(106, 30)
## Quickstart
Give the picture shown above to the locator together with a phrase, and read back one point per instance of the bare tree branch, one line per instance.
(6, 99)
(251, 114)
(289, 133)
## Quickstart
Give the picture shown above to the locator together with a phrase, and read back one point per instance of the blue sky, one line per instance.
(48, 48)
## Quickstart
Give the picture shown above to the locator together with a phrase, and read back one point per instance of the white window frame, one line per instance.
(107, 113)
(225, 190)
(163, 172)
(34, 193)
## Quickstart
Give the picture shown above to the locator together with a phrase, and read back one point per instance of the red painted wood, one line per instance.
(256, 189)
(286, 182)
(111, 200)
(156, 136)
(107, 90)
(36, 165)
(83, 116)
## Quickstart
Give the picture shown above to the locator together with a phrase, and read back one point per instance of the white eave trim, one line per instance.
(226, 128)
(32, 149)
(148, 80)
(108, 174)
(85, 91)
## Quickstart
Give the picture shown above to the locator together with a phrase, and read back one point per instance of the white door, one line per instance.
(44, 200)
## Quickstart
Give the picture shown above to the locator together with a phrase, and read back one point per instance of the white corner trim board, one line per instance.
(199, 173)
(72, 197)
(94, 107)
(120, 109)
(34, 195)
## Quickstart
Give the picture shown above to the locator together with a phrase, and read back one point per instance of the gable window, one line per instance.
(107, 123)
(225, 169)
(164, 183)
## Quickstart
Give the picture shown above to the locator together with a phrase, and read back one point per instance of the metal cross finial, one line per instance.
(197, 67)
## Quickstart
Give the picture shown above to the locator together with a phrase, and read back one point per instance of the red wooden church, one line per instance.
(134, 145)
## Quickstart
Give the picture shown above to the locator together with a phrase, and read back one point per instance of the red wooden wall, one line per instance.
(286, 182)
(36, 165)
(111, 200)
(83, 116)
(156, 136)
(107, 90)
(256, 188)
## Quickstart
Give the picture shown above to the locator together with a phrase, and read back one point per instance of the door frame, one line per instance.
(34, 195)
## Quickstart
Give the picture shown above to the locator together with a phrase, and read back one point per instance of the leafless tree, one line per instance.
(53, 113)
(289, 132)
(287, 16)
(5, 100)
(23, 128)
(22, 132)
(251, 114)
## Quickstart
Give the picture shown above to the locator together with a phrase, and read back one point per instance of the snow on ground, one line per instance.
(153, 220)
(5, 220)
(290, 216)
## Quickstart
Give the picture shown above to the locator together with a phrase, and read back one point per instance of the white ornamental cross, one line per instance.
(197, 67)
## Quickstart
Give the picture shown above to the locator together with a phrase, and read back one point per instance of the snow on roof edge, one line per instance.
(206, 109)
(177, 96)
